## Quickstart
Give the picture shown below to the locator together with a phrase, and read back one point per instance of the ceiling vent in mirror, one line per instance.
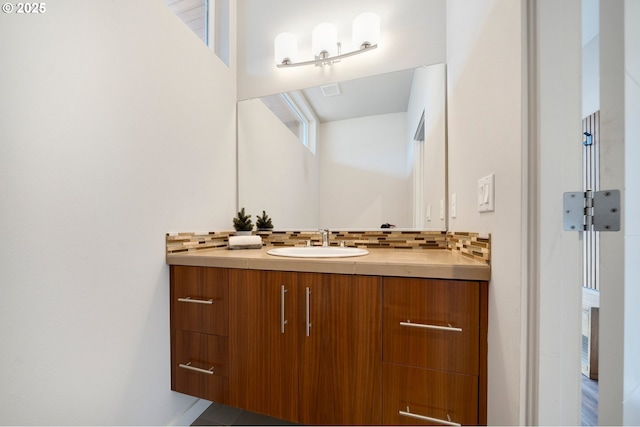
(330, 90)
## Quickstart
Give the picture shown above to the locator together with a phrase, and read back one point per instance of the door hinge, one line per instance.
(591, 210)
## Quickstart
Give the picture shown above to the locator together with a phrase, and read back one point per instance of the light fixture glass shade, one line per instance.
(324, 38)
(366, 30)
(285, 48)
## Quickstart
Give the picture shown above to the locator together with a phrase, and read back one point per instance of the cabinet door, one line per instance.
(341, 352)
(200, 299)
(433, 324)
(263, 342)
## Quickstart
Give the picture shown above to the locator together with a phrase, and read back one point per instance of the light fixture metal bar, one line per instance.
(328, 60)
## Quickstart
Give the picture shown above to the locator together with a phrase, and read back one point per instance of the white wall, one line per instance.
(620, 108)
(484, 86)
(558, 148)
(364, 178)
(117, 126)
(411, 36)
(276, 172)
(612, 175)
(631, 414)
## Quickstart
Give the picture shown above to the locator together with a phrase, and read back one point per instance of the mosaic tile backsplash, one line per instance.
(472, 245)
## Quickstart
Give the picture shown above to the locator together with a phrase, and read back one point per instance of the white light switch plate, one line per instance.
(486, 193)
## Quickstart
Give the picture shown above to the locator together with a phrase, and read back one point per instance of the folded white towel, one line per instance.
(245, 242)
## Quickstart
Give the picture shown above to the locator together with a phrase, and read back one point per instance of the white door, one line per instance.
(619, 370)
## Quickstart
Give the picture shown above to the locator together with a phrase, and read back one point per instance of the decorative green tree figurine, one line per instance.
(242, 222)
(264, 222)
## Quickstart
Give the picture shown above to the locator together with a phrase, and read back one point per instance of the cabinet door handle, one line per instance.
(423, 326)
(308, 298)
(193, 368)
(410, 414)
(283, 321)
(196, 301)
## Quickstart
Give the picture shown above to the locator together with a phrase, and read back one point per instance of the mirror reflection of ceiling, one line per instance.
(370, 96)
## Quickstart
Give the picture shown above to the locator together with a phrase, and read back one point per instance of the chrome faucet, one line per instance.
(325, 236)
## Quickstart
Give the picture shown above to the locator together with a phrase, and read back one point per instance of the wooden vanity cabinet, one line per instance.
(324, 349)
(199, 311)
(435, 346)
(307, 347)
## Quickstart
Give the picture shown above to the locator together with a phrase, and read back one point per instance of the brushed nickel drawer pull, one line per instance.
(423, 326)
(283, 321)
(196, 301)
(308, 319)
(193, 368)
(409, 414)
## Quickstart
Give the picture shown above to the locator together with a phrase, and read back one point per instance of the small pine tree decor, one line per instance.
(242, 222)
(264, 222)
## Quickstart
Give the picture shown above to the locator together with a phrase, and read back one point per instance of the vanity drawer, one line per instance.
(200, 299)
(200, 365)
(423, 396)
(432, 324)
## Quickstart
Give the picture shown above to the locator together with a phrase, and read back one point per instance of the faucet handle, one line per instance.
(325, 236)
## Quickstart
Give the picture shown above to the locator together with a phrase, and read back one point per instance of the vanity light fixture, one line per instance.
(324, 42)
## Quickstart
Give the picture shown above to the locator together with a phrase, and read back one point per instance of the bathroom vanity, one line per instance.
(394, 337)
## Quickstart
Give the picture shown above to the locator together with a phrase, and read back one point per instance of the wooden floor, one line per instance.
(589, 412)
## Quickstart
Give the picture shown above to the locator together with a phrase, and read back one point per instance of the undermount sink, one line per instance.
(317, 252)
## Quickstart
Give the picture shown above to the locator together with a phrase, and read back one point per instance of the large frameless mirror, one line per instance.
(352, 155)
